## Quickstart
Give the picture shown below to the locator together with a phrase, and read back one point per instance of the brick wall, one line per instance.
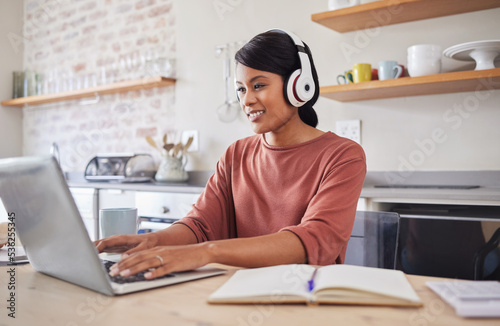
(85, 42)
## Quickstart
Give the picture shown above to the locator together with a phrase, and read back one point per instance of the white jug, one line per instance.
(339, 4)
(171, 169)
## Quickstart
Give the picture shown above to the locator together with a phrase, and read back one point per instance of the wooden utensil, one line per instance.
(168, 147)
(188, 143)
(151, 142)
(176, 149)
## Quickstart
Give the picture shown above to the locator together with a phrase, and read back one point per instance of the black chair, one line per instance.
(491, 247)
(374, 240)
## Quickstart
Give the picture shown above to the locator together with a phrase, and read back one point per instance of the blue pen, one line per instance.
(311, 281)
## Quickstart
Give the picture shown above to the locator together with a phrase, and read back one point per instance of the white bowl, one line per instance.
(423, 67)
(424, 48)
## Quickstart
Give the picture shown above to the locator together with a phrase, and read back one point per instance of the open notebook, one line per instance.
(52, 232)
(333, 284)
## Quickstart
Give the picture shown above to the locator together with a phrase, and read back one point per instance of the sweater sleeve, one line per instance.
(327, 223)
(212, 216)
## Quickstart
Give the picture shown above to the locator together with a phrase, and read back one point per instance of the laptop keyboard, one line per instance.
(139, 277)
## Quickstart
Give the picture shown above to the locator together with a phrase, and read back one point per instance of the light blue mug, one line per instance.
(388, 70)
(115, 221)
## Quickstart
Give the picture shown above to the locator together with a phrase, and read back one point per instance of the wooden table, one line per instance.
(43, 300)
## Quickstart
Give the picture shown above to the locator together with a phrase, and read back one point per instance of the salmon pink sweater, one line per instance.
(310, 189)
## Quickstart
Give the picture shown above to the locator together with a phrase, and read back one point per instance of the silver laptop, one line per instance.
(53, 234)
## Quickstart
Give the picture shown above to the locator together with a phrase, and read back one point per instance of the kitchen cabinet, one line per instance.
(156, 210)
(386, 12)
(159, 210)
(119, 87)
(86, 200)
(158, 204)
(116, 198)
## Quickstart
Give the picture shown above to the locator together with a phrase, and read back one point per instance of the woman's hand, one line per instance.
(162, 260)
(127, 243)
(268, 250)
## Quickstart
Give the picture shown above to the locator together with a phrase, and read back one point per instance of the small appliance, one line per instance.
(121, 167)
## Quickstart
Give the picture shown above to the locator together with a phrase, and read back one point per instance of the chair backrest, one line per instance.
(374, 240)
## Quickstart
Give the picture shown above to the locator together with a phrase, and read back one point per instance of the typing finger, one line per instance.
(135, 264)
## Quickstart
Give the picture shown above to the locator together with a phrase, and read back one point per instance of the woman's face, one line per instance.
(262, 100)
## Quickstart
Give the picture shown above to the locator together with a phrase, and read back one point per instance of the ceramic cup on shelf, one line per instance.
(404, 71)
(115, 221)
(346, 78)
(339, 4)
(361, 72)
(389, 69)
(424, 59)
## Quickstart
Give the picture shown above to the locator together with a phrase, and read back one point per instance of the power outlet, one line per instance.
(349, 129)
(191, 133)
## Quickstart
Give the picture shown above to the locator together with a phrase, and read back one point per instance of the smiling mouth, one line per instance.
(254, 115)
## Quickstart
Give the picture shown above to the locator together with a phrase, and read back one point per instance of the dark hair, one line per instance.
(275, 52)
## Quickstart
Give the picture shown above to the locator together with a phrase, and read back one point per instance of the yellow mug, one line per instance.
(362, 72)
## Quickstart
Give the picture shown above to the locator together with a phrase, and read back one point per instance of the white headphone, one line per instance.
(299, 87)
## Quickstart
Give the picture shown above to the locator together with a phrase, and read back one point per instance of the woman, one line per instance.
(285, 195)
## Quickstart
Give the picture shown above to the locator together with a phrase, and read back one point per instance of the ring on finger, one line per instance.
(161, 260)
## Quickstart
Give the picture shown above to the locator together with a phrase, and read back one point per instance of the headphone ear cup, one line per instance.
(290, 89)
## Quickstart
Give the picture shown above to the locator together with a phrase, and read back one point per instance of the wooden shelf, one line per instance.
(120, 87)
(388, 12)
(452, 82)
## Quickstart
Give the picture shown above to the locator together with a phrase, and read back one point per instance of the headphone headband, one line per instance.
(294, 37)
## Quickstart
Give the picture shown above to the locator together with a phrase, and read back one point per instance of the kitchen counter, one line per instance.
(482, 195)
(195, 184)
(439, 187)
(449, 187)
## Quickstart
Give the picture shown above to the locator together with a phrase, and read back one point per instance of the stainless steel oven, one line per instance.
(449, 241)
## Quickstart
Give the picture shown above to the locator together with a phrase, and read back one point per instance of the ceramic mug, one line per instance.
(346, 78)
(361, 72)
(388, 70)
(115, 221)
(339, 4)
(403, 71)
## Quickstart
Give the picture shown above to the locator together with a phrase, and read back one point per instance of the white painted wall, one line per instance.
(396, 133)
(11, 25)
